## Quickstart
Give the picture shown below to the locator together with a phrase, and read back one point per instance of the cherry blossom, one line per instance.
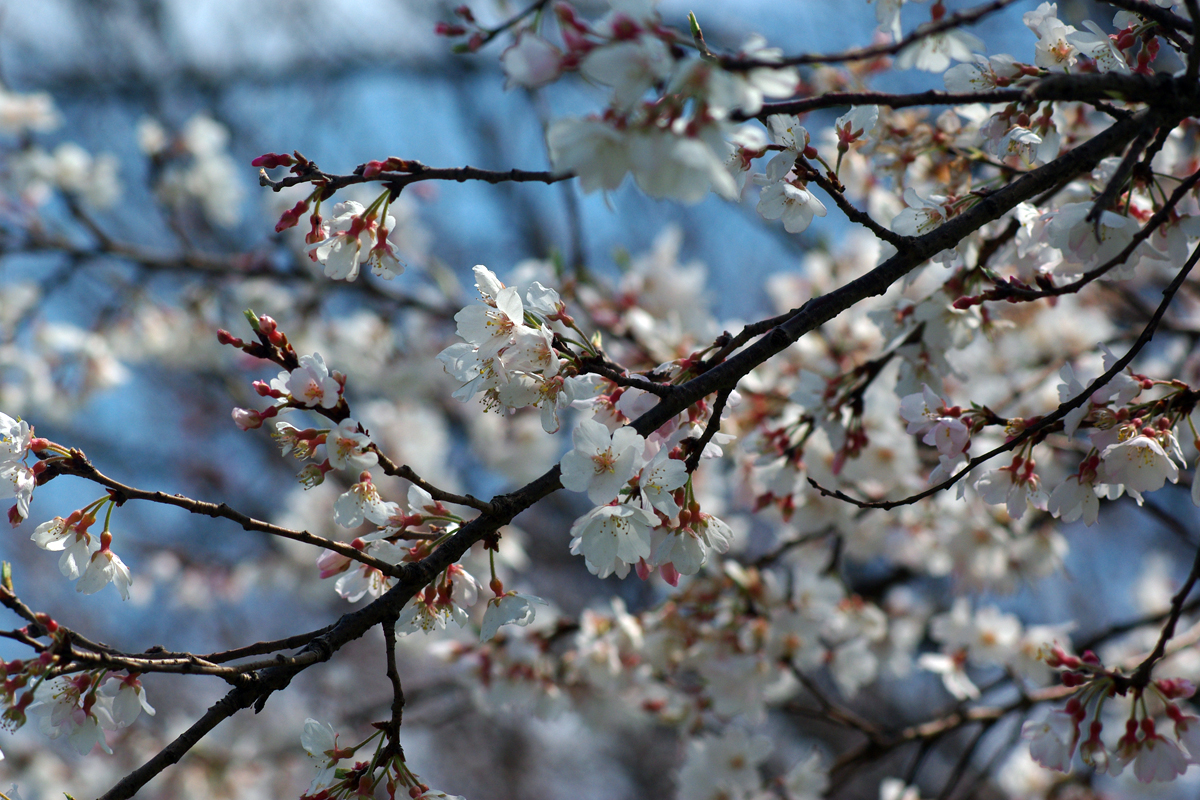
(612, 538)
(61, 710)
(981, 73)
(310, 383)
(658, 481)
(126, 700)
(935, 52)
(509, 608)
(1100, 47)
(1054, 48)
(491, 328)
(531, 61)
(921, 216)
(362, 501)
(1138, 462)
(928, 416)
(105, 567)
(601, 463)
(631, 67)
(320, 742)
(795, 206)
(1052, 741)
(70, 537)
(725, 765)
(1075, 499)
(347, 448)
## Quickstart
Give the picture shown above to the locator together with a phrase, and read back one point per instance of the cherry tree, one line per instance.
(818, 539)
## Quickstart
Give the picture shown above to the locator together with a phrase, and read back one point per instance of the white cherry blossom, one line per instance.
(1052, 740)
(310, 383)
(1138, 462)
(612, 538)
(601, 463)
(74, 542)
(631, 67)
(347, 449)
(510, 608)
(594, 149)
(103, 568)
(127, 700)
(531, 61)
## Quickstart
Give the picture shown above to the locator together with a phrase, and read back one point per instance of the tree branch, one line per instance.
(80, 466)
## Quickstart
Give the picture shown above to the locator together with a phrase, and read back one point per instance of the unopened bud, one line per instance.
(247, 418)
(273, 160)
(225, 337)
(291, 217)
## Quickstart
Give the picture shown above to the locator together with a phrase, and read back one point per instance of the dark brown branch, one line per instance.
(1068, 88)
(492, 33)
(1151, 11)
(416, 172)
(414, 576)
(393, 676)
(1141, 676)
(407, 473)
(620, 378)
(710, 430)
(833, 710)
(945, 724)
(929, 98)
(262, 648)
(1117, 182)
(852, 213)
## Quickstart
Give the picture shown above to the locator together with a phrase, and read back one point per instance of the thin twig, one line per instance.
(949, 22)
(416, 171)
(853, 214)
(1141, 676)
(710, 430)
(80, 466)
(407, 473)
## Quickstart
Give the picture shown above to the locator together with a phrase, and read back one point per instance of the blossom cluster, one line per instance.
(79, 708)
(509, 353)
(1055, 739)
(775, 577)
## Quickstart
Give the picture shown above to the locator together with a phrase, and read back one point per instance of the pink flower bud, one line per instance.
(291, 217)
(272, 160)
(330, 563)
(247, 418)
(225, 337)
